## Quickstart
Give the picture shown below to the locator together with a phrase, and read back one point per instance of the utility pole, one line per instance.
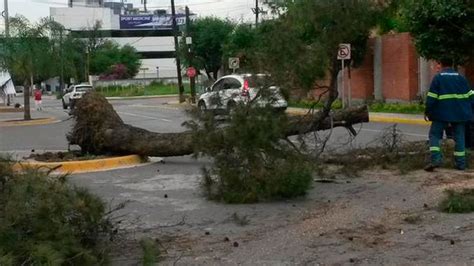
(61, 81)
(144, 5)
(257, 12)
(192, 80)
(7, 19)
(176, 48)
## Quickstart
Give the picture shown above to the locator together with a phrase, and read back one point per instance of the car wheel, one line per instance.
(64, 104)
(72, 104)
(202, 106)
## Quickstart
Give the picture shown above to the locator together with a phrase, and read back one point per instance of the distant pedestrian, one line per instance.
(450, 101)
(38, 101)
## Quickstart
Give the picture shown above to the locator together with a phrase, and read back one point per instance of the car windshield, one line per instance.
(83, 88)
(258, 81)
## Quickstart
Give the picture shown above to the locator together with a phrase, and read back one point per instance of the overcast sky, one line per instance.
(233, 9)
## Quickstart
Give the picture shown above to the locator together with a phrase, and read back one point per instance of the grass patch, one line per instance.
(150, 252)
(377, 107)
(401, 108)
(337, 104)
(458, 201)
(154, 88)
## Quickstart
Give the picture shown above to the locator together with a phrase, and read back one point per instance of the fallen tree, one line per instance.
(98, 129)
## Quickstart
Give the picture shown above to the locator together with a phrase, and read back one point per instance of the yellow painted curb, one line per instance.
(35, 122)
(411, 121)
(73, 167)
(375, 118)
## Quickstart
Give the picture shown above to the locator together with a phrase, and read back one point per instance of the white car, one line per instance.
(231, 90)
(74, 93)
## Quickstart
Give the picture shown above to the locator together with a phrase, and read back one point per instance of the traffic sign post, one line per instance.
(344, 53)
(234, 63)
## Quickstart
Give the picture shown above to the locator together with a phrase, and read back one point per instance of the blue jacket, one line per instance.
(450, 98)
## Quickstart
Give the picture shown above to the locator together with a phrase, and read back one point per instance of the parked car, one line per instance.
(74, 93)
(19, 89)
(231, 90)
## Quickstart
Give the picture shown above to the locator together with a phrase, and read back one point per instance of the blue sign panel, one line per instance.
(150, 21)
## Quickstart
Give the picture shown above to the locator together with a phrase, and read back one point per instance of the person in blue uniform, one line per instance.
(450, 101)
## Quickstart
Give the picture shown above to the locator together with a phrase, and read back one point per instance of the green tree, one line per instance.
(242, 43)
(442, 29)
(29, 53)
(209, 36)
(300, 47)
(110, 54)
(74, 58)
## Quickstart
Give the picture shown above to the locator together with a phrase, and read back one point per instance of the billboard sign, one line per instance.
(150, 21)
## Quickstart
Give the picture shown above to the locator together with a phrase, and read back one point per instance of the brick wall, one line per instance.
(362, 77)
(399, 68)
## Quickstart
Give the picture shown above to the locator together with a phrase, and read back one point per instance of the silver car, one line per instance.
(231, 90)
(74, 93)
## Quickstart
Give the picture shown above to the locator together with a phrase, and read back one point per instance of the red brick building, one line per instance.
(392, 71)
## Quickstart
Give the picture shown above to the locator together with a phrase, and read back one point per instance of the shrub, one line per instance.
(250, 161)
(458, 201)
(44, 221)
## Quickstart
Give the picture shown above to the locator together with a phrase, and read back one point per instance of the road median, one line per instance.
(32, 122)
(74, 167)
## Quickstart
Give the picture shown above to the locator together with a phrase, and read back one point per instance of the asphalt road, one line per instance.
(160, 195)
(156, 115)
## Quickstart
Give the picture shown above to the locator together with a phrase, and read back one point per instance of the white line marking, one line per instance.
(144, 116)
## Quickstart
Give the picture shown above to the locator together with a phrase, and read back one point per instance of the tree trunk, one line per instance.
(26, 99)
(100, 130)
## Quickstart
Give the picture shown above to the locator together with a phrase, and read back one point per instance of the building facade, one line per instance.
(84, 14)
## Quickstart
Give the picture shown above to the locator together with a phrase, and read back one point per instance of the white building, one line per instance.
(85, 13)
(84, 17)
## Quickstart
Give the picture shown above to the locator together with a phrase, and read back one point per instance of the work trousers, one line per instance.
(436, 134)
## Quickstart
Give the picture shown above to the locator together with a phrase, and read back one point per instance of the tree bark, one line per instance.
(100, 130)
(26, 101)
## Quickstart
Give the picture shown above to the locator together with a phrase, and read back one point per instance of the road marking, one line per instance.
(408, 134)
(145, 116)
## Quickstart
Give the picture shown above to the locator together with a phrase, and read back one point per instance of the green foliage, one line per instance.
(401, 108)
(337, 104)
(458, 201)
(442, 29)
(29, 54)
(377, 107)
(155, 88)
(391, 18)
(109, 54)
(300, 47)
(250, 163)
(150, 252)
(44, 221)
(242, 43)
(209, 36)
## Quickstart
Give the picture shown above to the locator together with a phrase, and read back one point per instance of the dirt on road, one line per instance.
(379, 218)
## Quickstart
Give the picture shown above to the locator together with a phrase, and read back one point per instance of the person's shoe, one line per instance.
(431, 167)
(460, 168)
